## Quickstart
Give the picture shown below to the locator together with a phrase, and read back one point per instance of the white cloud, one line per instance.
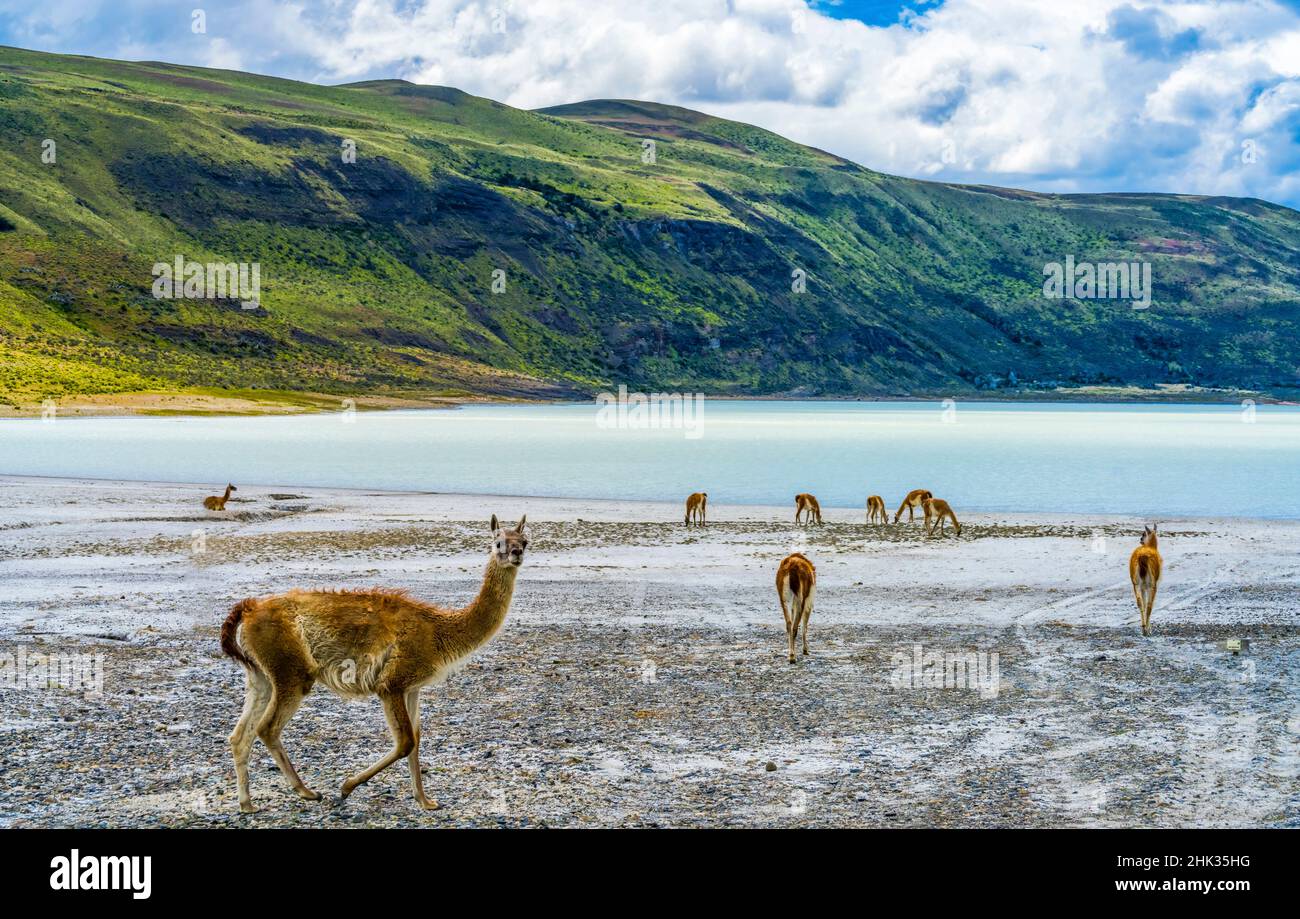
(1066, 95)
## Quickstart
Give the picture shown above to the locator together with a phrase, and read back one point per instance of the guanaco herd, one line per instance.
(796, 576)
(388, 644)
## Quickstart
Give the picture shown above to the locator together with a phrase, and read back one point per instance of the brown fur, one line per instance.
(914, 501)
(876, 510)
(1144, 567)
(806, 504)
(215, 503)
(796, 581)
(696, 505)
(936, 511)
(358, 643)
(230, 630)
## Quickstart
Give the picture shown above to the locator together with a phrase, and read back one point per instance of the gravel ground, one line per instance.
(641, 677)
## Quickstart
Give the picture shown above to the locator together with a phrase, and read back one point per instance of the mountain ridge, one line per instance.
(672, 273)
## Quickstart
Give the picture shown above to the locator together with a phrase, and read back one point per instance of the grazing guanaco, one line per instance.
(796, 581)
(876, 512)
(358, 643)
(936, 511)
(914, 501)
(806, 504)
(214, 503)
(696, 505)
(1144, 571)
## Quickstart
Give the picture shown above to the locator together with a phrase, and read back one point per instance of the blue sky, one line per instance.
(1059, 95)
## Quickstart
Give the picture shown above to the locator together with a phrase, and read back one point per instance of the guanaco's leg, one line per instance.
(257, 695)
(792, 630)
(417, 780)
(786, 599)
(807, 611)
(285, 700)
(399, 723)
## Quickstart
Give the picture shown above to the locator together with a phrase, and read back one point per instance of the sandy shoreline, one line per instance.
(269, 402)
(640, 678)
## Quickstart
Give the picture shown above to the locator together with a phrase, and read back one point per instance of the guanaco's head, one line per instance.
(231, 487)
(508, 545)
(1149, 536)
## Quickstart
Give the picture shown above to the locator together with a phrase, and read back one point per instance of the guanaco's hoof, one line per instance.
(429, 804)
(247, 808)
(309, 794)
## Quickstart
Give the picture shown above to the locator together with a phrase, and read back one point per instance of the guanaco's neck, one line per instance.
(484, 616)
(226, 496)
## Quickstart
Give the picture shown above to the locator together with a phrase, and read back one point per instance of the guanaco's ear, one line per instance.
(520, 527)
(495, 526)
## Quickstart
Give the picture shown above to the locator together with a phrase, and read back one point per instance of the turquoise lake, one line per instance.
(1154, 460)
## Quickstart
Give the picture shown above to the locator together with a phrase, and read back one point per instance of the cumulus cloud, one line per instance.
(1072, 95)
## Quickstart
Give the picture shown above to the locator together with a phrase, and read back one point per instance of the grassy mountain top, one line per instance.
(673, 271)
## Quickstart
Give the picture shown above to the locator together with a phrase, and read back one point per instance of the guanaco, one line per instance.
(358, 643)
(914, 501)
(806, 504)
(876, 510)
(936, 511)
(214, 503)
(796, 581)
(696, 505)
(1144, 571)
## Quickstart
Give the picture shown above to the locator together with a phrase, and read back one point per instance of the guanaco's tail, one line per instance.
(229, 646)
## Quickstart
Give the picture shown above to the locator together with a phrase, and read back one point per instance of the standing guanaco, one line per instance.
(914, 501)
(696, 505)
(876, 510)
(358, 643)
(806, 504)
(1144, 571)
(796, 581)
(936, 511)
(214, 503)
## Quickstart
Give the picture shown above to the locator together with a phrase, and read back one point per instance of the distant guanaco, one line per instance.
(213, 503)
(936, 511)
(358, 643)
(914, 501)
(796, 581)
(696, 505)
(1144, 571)
(876, 510)
(806, 504)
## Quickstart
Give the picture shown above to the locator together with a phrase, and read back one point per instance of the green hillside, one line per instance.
(676, 274)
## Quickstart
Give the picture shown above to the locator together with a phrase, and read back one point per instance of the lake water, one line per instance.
(1154, 460)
